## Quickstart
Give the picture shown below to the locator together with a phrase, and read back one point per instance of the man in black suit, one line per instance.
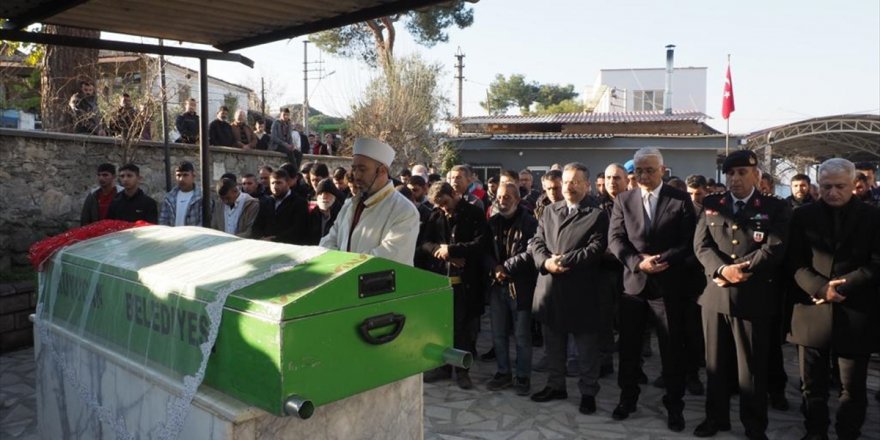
(652, 230)
(739, 241)
(572, 236)
(454, 241)
(284, 217)
(835, 257)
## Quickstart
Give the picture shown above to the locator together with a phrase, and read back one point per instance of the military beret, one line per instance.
(739, 158)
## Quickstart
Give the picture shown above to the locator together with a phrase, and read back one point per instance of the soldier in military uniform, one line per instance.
(740, 243)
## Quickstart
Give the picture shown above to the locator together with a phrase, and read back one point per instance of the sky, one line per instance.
(790, 60)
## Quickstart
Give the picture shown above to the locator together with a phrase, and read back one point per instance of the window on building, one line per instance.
(647, 100)
(484, 172)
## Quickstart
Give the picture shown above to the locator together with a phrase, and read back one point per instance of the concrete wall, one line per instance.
(45, 177)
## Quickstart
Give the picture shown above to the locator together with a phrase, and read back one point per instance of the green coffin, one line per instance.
(334, 325)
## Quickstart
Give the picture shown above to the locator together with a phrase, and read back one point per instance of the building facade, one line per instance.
(642, 90)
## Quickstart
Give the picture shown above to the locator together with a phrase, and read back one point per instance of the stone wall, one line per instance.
(17, 302)
(45, 177)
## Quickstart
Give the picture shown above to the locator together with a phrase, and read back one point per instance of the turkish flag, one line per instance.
(727, 106)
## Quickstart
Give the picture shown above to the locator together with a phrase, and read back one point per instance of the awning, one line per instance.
(223, 24)
(855, 137)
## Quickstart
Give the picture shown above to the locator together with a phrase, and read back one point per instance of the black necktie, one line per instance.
(739, 206)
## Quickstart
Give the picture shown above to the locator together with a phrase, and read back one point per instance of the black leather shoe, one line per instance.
(779, 402)
(548, 394)
(488, 356)
(710, 427)
(438, 374)
(588, 405)
(675, 421)
(606, 370)
(660, 382)
(463, 379)
(623, 411)
(694, 386)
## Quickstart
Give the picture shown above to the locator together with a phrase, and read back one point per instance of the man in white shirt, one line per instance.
(182, 205)
(237, 212)
(378, 220)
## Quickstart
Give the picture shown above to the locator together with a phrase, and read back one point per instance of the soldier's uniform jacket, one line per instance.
(757, 233)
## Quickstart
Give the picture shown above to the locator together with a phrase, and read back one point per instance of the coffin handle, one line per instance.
(380, 321)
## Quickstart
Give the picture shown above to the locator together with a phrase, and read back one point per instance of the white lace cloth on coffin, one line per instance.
(166, 260)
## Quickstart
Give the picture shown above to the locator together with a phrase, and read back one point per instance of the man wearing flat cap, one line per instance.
(739, 241)
(377, 220)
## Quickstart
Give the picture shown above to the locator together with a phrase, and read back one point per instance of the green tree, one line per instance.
(401, 107)
(515, 91)
(567, 106)
(373, 40)
(553, 94)
(231, 103)
(62, 68)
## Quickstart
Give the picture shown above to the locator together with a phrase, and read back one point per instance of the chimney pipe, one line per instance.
(667, 95)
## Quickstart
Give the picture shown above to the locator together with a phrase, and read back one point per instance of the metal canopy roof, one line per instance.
(854, 137)
(226, 25)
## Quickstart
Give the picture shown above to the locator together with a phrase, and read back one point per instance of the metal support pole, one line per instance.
(305, 106)
(204, 146)
(164, 96)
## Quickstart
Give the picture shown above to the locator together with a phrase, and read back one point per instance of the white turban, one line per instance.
(374, 149)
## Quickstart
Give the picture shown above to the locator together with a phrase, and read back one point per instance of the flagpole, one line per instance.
(727, 139)
(727, 133)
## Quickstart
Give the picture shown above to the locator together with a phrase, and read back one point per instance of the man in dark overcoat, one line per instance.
(572, 236)
(835, 258)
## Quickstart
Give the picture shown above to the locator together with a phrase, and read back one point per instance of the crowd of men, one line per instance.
(282, 136)
(724, 275)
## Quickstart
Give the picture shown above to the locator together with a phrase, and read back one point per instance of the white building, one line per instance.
(124, 72)
(636, 90)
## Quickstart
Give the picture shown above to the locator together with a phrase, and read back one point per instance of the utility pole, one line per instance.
(263, 97)
(460, 77)
(306, 72)
(305, 106)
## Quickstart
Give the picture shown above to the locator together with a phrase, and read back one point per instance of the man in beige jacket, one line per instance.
(237, 212)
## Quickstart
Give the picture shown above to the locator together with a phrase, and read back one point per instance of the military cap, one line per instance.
(739, 158)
